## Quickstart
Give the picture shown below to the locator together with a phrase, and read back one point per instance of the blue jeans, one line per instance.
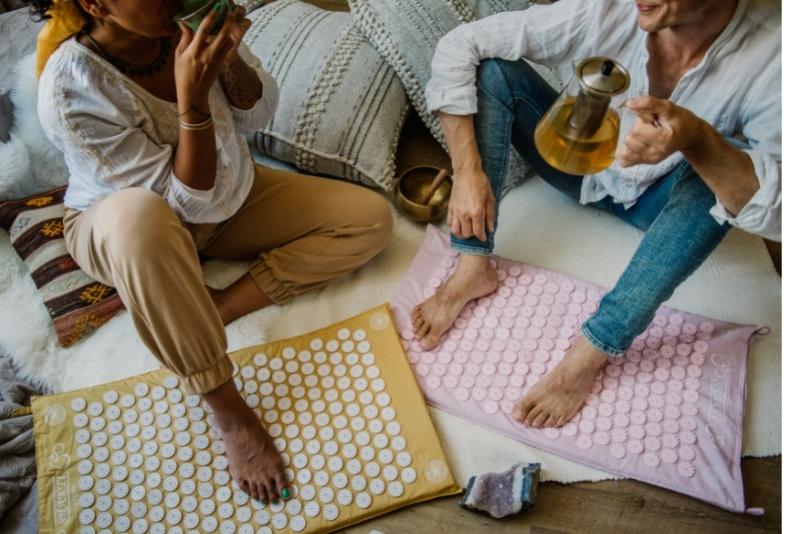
(674, 212)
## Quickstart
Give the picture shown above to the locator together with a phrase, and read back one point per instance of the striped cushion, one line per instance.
(341, 106)
(76, 303)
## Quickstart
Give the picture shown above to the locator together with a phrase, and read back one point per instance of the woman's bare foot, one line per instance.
(558, 396)
(254, 463)
(473, 278)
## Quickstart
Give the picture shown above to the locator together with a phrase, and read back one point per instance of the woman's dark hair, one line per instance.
(39, 9)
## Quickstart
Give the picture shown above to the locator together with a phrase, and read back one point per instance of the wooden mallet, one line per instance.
(428, 195)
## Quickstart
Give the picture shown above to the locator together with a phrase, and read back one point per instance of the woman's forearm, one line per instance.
(195, 161)
(241, 84)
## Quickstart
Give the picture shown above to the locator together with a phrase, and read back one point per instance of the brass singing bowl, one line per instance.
(410, 189)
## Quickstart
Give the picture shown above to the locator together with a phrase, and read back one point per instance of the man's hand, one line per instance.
(661, 129)
(472, 205)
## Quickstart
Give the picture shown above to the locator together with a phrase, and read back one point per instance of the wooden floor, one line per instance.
(597, 507)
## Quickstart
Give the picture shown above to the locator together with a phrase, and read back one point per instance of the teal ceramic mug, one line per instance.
(194, 11)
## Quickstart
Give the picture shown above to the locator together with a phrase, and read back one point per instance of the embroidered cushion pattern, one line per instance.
(76, 303)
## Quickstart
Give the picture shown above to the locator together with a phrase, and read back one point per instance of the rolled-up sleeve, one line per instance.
(256, 118)
(545, 34)
(761, 117)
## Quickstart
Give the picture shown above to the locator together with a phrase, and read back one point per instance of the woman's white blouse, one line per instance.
(115, 134)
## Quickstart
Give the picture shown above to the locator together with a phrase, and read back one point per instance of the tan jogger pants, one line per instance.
(302, 231)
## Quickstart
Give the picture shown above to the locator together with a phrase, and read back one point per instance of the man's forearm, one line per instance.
(459, 134)
(727, 171)
(241, 84)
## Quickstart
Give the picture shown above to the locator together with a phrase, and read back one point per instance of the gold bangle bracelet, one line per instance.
(195, 126)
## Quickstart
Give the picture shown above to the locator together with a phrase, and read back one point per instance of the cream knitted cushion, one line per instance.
(341, 106)
(406, 32)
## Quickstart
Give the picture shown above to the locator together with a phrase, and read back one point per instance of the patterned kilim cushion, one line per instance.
(76, 303)
(341, 106)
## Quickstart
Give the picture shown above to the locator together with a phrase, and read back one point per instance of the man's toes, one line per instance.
(533, 413)
(430, 341)
(419, 323)
(536, 416)
(540, 419)
(521, 410)
(551, 421)
(423, 330)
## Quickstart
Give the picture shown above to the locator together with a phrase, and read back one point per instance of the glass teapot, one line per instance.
(578, 134)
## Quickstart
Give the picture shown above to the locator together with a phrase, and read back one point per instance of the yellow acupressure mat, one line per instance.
(341, 403)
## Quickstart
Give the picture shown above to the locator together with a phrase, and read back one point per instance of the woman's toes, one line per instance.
(284, 490)
(272, 492)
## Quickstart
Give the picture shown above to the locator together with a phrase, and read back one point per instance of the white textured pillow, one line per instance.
(341, 106)
(406, 32)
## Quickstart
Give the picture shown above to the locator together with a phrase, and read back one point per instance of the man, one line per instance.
(700, 153)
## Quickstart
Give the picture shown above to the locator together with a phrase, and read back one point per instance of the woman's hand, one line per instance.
(199, 57)
(240, 27)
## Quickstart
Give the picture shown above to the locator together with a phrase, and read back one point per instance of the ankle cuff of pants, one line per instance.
(208, 379)
(599, 345)
(470, 250)
(273, 288)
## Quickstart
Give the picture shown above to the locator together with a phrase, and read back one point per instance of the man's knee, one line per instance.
(498, 76)
(492, 76)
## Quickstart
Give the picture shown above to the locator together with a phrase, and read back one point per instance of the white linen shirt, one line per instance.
(115, 134)
(736, 87)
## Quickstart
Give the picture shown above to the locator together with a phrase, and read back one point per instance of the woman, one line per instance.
(150, 118)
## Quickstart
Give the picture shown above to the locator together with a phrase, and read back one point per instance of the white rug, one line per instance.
(538, 226)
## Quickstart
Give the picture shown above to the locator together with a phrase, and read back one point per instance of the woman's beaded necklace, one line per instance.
(132, 69)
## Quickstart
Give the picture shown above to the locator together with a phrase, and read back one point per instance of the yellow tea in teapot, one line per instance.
(561, 146)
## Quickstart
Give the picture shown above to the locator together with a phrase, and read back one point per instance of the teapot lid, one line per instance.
(602, 76)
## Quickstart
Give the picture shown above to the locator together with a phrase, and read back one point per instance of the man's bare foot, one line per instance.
(473, 278)
(254, 463)
(558, 396)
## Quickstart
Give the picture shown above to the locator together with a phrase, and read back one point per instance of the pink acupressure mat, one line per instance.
(669, 412)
